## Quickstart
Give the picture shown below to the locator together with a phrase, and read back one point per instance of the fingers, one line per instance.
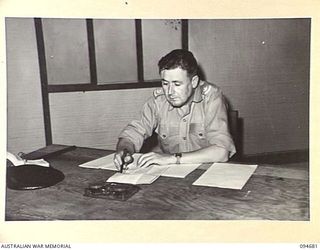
(147, 160)
(144, 161)
(128, 158)
(118, 160)
(122, 157)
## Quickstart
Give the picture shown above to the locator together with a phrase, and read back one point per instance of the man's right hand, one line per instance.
(124, 148)
(122, 157)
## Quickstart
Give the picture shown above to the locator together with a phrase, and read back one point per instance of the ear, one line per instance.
(195, 81)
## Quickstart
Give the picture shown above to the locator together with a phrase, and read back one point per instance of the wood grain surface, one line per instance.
(266, 196)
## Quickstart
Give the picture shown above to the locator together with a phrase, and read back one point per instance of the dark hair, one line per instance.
(179, 58)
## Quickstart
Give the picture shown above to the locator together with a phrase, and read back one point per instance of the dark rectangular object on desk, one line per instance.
(49, 151)
(111, 191)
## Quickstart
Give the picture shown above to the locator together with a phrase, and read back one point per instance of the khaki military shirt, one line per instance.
(200, 123)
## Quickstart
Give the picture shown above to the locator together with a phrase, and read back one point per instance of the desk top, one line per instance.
(274, 192)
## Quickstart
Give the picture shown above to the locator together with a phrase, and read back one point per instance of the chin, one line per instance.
(176, 105)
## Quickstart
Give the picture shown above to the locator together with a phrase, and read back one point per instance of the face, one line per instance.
(177, 86)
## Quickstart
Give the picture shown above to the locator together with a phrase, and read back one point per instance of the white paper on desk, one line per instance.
(180, 170)
(133, 178)
(226, 175)
(150, 170)
(139, 175)
(106, 162)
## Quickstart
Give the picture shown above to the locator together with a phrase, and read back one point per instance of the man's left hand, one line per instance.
(155, 158)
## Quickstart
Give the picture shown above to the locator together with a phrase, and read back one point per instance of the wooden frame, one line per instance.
(47, 88)
(93, 85)
(44, 80)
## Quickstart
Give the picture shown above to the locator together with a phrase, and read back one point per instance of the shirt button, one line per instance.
(184, 120)
(184, 138)
(164, 136)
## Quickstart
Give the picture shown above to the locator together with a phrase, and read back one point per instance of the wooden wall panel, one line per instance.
(25, 126)
(262, 67)
(159, 37)
(115, 43)
(66, 48)
(94, 119)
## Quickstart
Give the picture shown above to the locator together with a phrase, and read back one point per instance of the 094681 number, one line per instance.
(313, 246)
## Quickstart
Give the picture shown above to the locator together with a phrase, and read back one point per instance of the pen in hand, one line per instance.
(126, 159)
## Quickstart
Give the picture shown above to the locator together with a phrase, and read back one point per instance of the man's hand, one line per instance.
(155, 158)
(124, 152)
(122, 157)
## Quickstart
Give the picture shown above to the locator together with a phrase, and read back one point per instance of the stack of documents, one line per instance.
(135, 175)
(226, 175)
(222, 175)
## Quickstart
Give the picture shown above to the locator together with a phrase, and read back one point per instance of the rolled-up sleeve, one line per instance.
(140, 129)
(217, 124)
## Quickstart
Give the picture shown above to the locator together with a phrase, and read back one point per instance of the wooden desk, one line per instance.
(272, 193)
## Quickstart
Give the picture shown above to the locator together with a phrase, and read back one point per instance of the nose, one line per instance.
(170, 89)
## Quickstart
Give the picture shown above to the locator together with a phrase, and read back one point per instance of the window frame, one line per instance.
(47, 88)
(93, 85)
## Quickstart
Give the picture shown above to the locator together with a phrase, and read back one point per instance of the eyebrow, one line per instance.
(172, 81)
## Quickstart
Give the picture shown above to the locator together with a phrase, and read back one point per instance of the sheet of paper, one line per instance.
(106, 162)
(139, 175)
(151, 170)
(179, 170)
(226, 175)
(133, 178)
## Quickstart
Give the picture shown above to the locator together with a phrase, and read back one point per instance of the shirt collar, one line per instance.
(198, 93)
(197, 97)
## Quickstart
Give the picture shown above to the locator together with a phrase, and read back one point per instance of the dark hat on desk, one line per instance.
(29, 177)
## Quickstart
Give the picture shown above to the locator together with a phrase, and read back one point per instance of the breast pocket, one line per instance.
(168, 137)
(198, 134)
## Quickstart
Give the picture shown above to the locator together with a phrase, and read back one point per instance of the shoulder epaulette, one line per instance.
(157, 92)
(209, 89)
(206, 88)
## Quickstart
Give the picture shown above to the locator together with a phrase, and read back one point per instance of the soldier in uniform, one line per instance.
(188, 114)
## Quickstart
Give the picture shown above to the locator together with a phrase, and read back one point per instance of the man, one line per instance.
(188, 114)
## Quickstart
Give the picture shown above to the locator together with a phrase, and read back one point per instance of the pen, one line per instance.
(121, 167)
(126, 159)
